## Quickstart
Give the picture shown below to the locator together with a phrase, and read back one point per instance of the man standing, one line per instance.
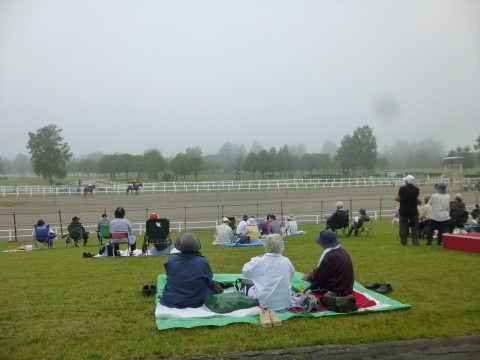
(408, 212)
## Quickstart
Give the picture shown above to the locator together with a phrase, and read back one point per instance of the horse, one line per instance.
(134, 187)
(90, 189)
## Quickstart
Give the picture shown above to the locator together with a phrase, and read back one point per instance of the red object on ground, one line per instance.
(462, 242)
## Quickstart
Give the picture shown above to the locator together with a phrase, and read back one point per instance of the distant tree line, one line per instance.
(357, 154)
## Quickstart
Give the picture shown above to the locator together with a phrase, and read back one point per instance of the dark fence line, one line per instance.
(19, 225)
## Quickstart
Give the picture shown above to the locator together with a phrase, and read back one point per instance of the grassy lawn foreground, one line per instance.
(57, 305)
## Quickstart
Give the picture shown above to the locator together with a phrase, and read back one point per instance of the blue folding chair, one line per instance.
(42, 235)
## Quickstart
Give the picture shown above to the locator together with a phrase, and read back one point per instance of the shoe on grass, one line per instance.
(274, 318)
(265, 320)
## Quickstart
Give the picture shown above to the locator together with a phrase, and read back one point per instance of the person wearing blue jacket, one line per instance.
(189, 276)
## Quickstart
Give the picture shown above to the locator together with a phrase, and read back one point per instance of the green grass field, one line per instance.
(57, 305)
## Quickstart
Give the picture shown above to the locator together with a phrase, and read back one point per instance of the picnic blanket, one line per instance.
(237, 244)
(168, 318)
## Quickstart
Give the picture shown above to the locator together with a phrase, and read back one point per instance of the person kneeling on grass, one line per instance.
(334, 271)
(189, 276)
(271, 274)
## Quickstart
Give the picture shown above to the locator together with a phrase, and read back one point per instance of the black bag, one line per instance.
(228, 302)
(243, 285)
(341, 304)
(244, 239)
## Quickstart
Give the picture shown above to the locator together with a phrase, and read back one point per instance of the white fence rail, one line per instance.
(103, 187)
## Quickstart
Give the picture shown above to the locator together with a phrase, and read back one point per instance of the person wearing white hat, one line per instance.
(339, 219)
(408, 212)
(223, 233)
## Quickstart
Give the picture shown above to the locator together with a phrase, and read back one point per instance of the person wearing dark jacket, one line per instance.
(358, 222)
(408, 212)
(189, 276)
(458, 213)
(334, 271)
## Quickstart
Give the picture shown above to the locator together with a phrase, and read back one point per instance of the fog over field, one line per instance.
(127, 76)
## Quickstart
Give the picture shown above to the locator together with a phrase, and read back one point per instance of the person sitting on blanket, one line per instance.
(334, 271)
(274, 227)
(291, 226)
(264, 230)
(242, 225)
(189, 276)
(223, 233)
(271, 275)
(358, 221)
(252, 229)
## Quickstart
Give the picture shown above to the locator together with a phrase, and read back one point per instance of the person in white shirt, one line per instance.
(242, 225)
(223, 233)
(424, 216)
(271, 275)
(291, 226)
(440, 213)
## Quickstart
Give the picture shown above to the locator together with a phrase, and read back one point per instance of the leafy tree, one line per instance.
(21, 164)
(250, 163)
(358, 151)
(256, 147)
(264, 163)
(312, 162)
(346, 156)
(49, 155)
(465, 152)
(230, 155)
(477, 146)
(87, 166)
(298, 150)
(194, 160)
(284, 162)
(154, 163)
(111, 164)
(329, 147)
(179, 165)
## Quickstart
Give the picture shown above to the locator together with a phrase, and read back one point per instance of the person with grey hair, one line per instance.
(458, 213)
(339, 219)
(189, 276)
(271, 274)
(440, 213)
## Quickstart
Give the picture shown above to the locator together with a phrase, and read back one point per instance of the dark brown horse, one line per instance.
(90, 189)
(134, 187)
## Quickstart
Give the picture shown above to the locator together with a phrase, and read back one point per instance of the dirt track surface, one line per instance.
(461, 348)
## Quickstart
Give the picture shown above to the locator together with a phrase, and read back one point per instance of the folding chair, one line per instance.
(75, 234)
(340, 227)
(41, 234)
(157, 232)
(366, 228)
(104, 232)
(118, 238)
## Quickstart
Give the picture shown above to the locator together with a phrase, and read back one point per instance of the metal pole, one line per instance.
(15, 225)
(60, 218)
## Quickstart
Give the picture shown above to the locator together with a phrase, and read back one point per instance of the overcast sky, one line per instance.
(131, 75)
